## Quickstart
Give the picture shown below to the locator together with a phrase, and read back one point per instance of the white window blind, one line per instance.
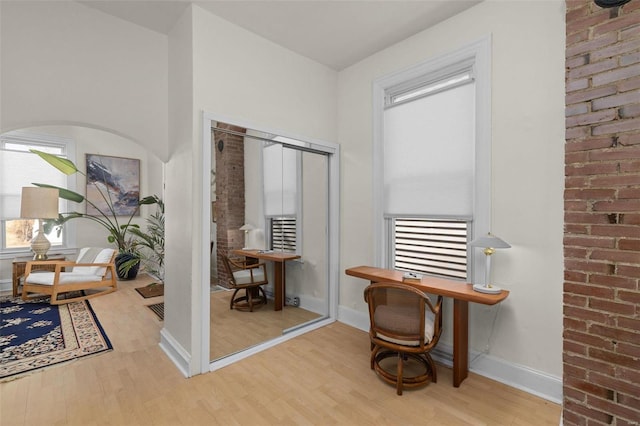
(433, 247)
(429, 154)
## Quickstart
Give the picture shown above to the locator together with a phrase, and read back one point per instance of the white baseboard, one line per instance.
(518, 376)
(175, 352)
(6, 285)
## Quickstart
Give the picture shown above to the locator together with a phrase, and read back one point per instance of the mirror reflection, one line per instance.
(269, 242)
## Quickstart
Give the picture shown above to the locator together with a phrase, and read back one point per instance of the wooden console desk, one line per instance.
(278, 258)
(461, 293)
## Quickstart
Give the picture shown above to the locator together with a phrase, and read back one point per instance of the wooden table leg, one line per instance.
(278, 276)
(460, 341)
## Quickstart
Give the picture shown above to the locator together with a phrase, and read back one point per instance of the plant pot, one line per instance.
(132, 273)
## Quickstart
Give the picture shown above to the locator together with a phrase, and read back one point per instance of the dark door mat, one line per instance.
(158, 309)
(151, 290)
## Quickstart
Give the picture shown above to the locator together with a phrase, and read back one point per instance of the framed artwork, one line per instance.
(116, 178)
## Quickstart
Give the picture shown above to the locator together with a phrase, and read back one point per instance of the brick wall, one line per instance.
(229, 194)
(601, 351)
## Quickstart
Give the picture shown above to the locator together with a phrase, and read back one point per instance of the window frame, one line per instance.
(478, 55)
(69, 151)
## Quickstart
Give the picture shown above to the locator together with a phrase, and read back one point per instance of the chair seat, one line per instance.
(93, 270)
(244, 276)
(403, 321)
(46, 278)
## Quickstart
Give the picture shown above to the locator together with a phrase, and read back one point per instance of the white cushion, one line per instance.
(244, 276)
(46, 278)
(104, 256)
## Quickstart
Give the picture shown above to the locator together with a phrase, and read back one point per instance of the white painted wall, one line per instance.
(527, 165)
(65, 63)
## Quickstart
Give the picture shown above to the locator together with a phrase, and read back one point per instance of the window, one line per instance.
(432, 164)
(18, 168)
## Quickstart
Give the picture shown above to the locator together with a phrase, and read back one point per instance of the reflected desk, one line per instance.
(278, 258)
(461, 293)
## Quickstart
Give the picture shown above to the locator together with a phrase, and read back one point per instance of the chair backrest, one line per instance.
(94, 255)
(402, 314)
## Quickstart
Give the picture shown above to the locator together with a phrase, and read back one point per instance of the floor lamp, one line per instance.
(489, 243)
(39, 203)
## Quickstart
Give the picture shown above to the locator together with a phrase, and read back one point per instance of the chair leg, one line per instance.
(249, 296)
(399, 374)
(233, 298)
(432, 366)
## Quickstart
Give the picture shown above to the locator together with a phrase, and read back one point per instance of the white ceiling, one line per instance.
(337, 33)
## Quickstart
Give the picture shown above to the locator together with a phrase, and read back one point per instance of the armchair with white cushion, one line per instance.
(94, 269)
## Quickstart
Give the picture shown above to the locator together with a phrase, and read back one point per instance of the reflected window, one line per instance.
(282, 171)
(283, 234)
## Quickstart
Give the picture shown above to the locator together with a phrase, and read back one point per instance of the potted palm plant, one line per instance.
(128, 258)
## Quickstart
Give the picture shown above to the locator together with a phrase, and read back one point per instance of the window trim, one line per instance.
(479, 52)
(32, 138)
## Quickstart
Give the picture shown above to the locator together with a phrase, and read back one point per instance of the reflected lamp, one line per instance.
(39, 203)
(489, 243)
(246, 228)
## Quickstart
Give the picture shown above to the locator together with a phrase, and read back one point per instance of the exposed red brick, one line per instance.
(619, 153)
(616, 100)
(587, 95)
(616, 231)
(613, 383)
(612, 307)
(614, 256)
(631, 297)
(589, 290)
(618, 126)
(612, 407)
(611, 281)
(574, 324)
(631, 271)
(602, 215)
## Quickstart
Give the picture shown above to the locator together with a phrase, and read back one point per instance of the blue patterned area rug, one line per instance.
(36, 335)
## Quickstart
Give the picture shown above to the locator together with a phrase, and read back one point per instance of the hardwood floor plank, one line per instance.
(319, 378)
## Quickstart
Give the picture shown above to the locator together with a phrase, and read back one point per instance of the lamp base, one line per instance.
(490, 289)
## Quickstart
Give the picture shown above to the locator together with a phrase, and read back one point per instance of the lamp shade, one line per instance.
(489, 241)
(247, 227)
(39, 203)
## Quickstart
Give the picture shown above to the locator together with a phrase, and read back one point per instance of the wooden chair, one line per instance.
(404, 324)
(94, 269)
(249, 276)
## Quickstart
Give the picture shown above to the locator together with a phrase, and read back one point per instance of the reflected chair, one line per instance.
(93, 269)
(404, 324)
(249, 276)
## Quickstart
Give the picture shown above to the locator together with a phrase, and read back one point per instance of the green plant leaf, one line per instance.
(63, 192)
(148, 200)
(65, 166)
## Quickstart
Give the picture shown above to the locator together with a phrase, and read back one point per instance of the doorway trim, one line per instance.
(333, 232)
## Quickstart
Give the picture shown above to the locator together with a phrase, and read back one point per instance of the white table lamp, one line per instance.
(489, 243)
(39, 203)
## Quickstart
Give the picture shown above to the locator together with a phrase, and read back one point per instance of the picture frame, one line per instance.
(117, 178)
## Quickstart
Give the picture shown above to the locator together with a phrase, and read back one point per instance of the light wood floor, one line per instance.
(322, 378)
(233, 330)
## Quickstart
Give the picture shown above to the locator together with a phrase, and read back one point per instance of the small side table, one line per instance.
(20, 265)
